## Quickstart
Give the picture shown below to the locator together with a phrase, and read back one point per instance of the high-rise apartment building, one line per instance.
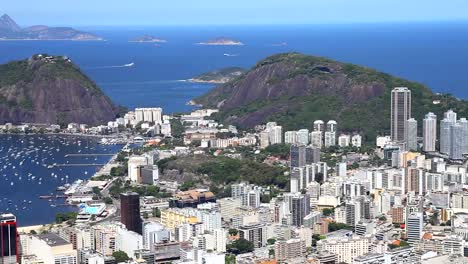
(414, 227)
(400, 112)
(303, 137)
(300, 208)
(130, 211)
(429, 132)
(411, 134)
(303, 155)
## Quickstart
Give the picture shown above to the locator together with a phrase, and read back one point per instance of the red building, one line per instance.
(8, 239)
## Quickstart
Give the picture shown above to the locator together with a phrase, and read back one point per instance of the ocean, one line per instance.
(24, 172)
(433, 54)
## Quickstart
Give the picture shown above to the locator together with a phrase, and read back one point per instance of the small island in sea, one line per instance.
(221, 41)
(219, 76)
(148, 38)
(9, 30)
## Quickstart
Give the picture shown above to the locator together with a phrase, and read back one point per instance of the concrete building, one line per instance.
(414, 227)
(457, 141)
(430, 132)
(289, 249)
(346, 249)
(48, 248)
(356, 141)
(290, 137)
(256, 233)
(344, 140)
(130, 211)
(303, 155)
(303, 137)
(316, 139)
(411, 135)
(400, 112)
(134, 163)
(275, 135)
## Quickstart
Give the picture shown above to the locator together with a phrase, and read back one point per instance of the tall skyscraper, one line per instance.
(400, 112)
(130, 211)
(456, 142)
(300, 207)
(8, 239)
(331, 125)
(429, 132)
(414, 227)
(303, 155)
(464, 123)
(411, 134)
(445, 135)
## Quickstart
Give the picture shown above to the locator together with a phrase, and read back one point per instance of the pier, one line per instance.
(77, 165)
(88, 154)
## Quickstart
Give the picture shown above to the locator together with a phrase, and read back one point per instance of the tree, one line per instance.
(240, 246)
(233, 232)
(328, 211)
(156, 212)
(120, 256)
(63, 217)
(333, 226)
(271, 241)
(108, 200)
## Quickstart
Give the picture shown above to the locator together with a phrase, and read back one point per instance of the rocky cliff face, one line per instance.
(46, 89)
(295, 89)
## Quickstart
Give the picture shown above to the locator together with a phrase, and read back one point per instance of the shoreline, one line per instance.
(195, 80)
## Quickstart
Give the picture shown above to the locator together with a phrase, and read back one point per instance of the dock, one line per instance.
(88, 154)
(77, 165)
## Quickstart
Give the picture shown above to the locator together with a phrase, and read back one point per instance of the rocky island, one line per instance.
(219, 76)
(148, 38)
(9, 30)
(51, 90)
(221, 41)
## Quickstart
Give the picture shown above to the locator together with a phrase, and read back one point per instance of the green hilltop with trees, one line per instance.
(294, 89)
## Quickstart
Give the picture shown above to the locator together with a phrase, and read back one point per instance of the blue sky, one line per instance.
(230, 12)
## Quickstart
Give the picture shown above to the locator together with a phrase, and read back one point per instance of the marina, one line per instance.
(35, 172)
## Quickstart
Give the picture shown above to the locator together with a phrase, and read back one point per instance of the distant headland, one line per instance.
(219, 76)
(148, 38)
(221, 41)
(9, 30)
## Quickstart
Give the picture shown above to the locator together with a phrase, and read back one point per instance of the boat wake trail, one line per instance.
(114, 66)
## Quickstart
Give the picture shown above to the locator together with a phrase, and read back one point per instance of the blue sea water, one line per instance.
(433, 54)
(24, 175)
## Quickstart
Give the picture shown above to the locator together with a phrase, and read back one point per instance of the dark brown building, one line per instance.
(130, 211)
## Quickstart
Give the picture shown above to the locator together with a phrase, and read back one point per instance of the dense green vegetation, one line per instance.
(119, 186)
(370, 117)
(333, 226)
(240, 246)
(64, 217)
(120, 256)
(223, 170)
(218, 75)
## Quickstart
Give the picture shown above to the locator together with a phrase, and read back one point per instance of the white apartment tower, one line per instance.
(429, 132)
